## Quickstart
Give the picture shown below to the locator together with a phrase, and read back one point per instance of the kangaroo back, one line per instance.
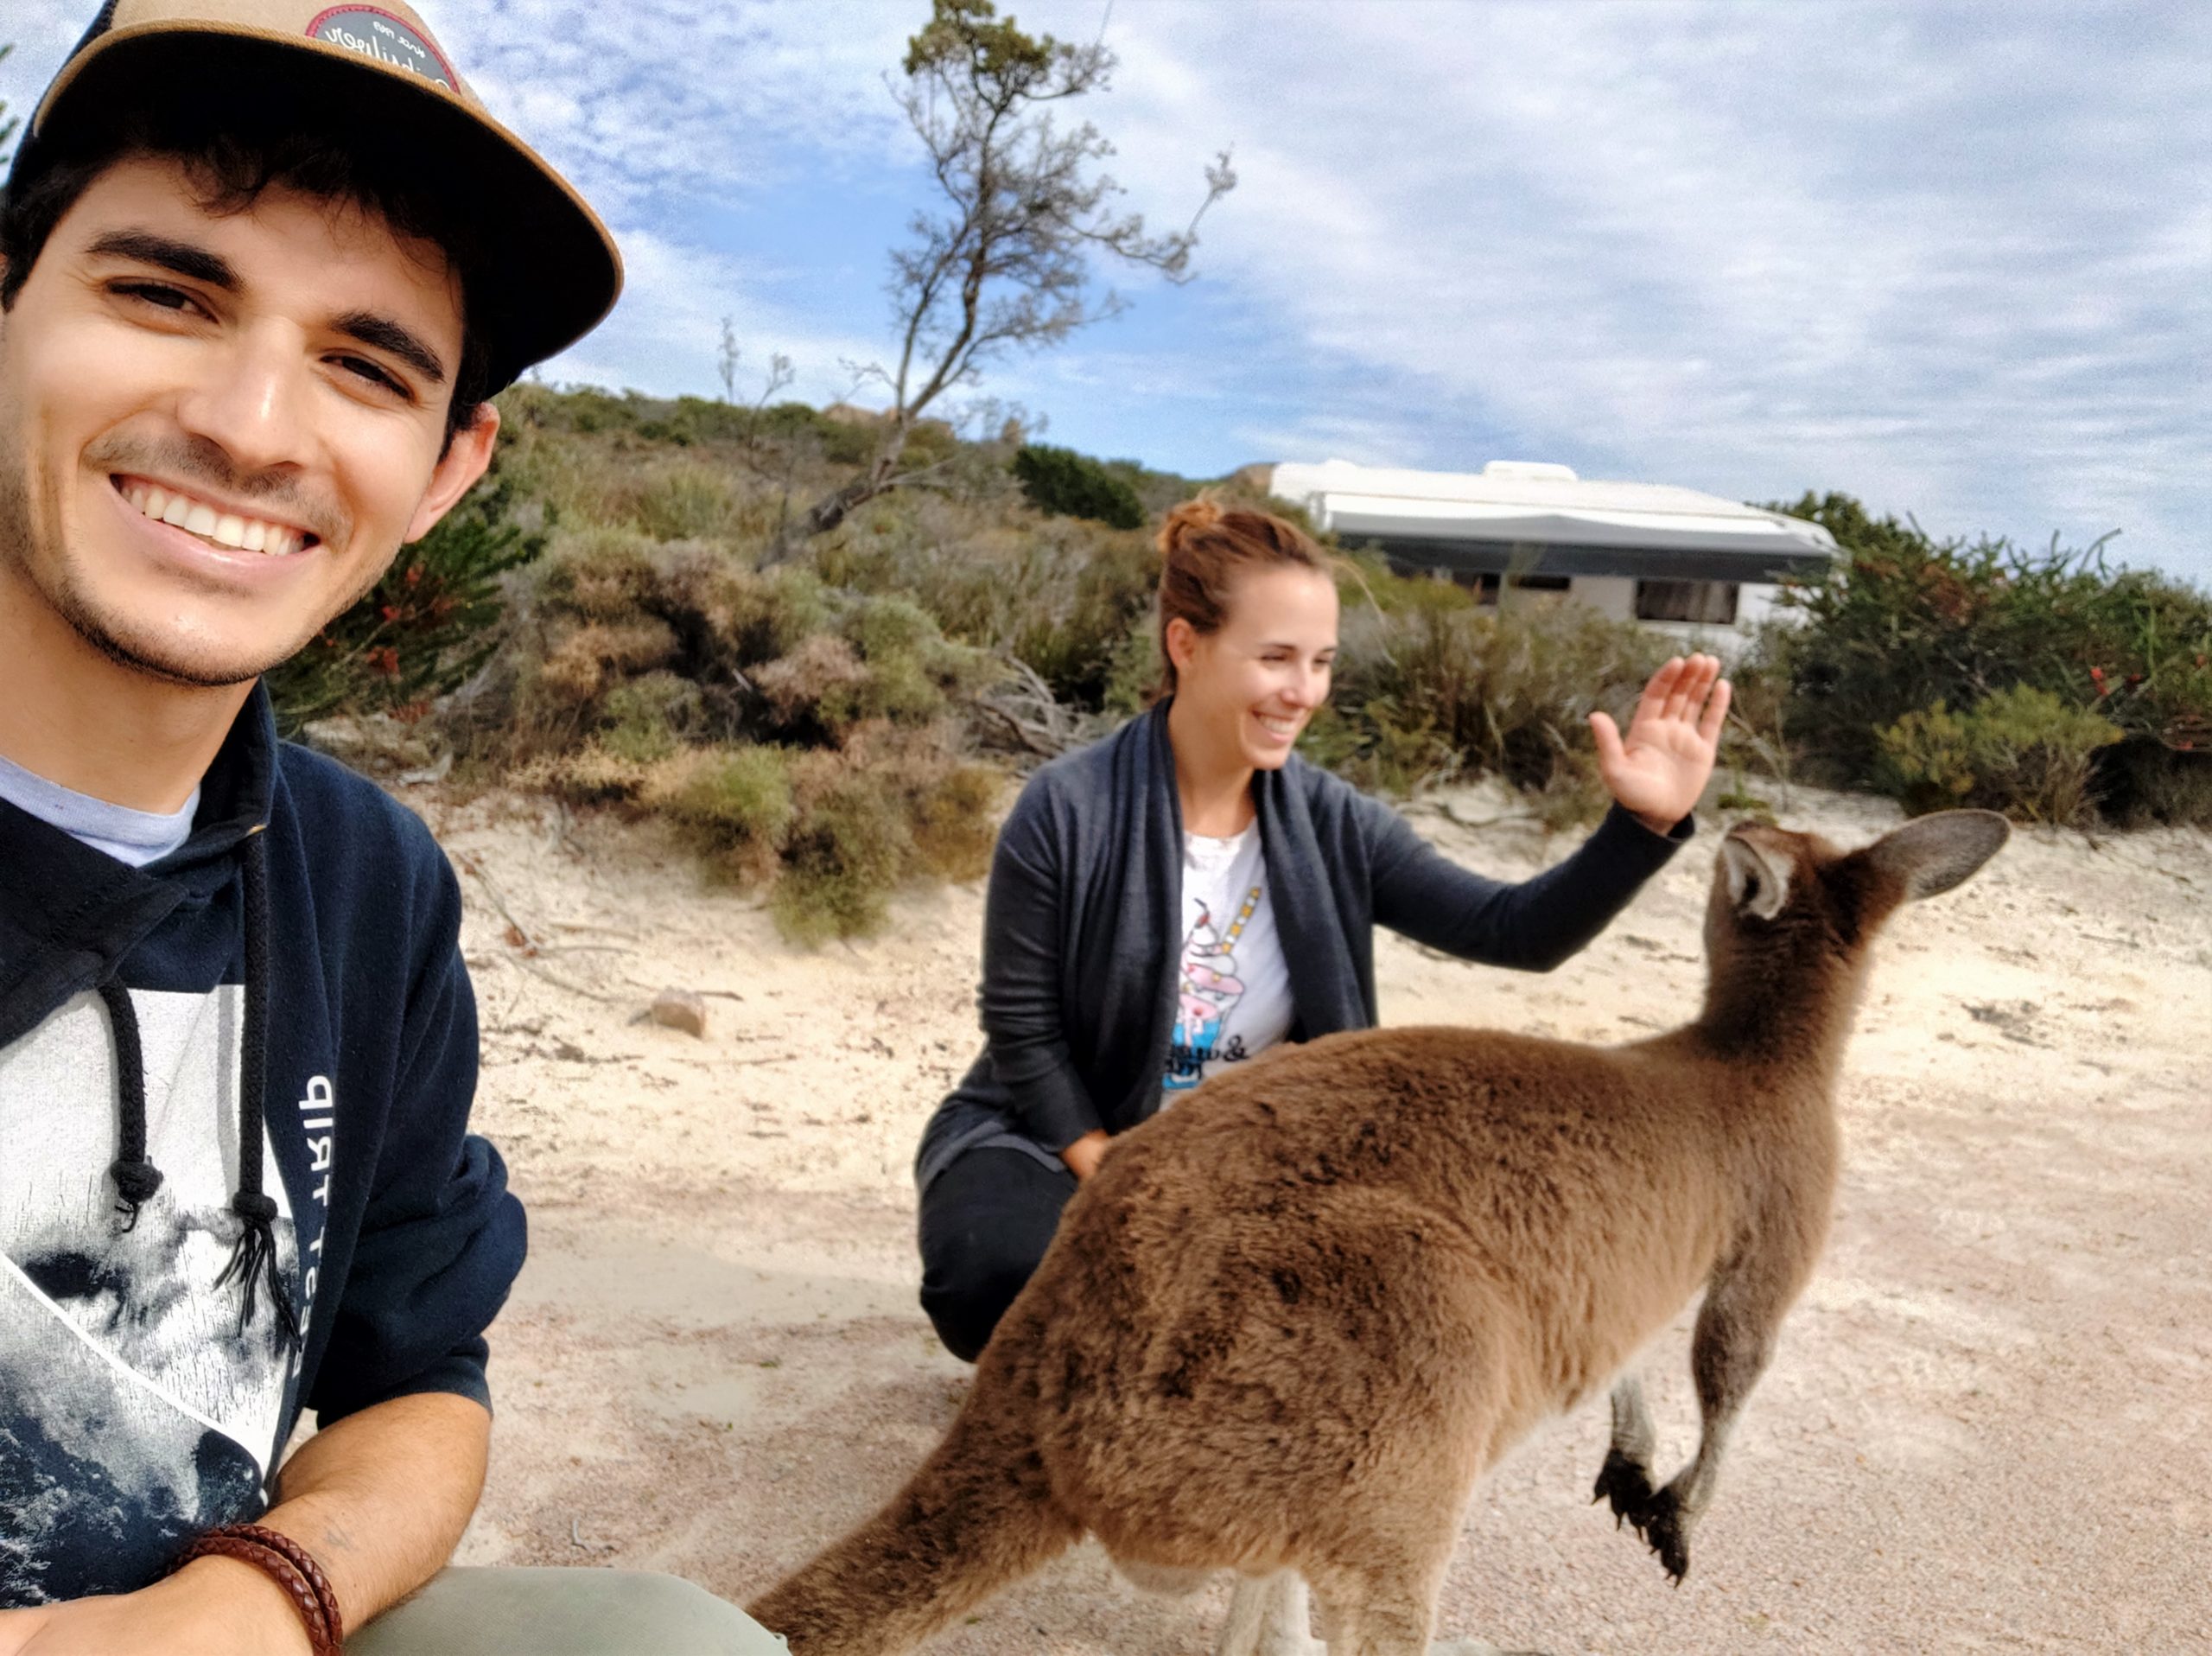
(976, 1516)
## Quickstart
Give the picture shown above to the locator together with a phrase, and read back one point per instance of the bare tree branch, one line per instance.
(1003, 260)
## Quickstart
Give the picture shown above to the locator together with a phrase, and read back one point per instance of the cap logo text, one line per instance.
(376, 34)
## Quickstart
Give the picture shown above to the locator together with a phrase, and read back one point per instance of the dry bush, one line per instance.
(1430, 686)
(799, 737)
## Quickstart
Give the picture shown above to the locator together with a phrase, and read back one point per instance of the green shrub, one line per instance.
(425, 628)
(2022, 751)
(686, 503)
(1060, 482)
(1904, 622)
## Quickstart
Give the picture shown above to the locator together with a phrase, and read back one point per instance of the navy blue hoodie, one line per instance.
(149, 1379)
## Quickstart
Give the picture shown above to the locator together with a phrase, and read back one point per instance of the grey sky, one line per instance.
(1954, 260)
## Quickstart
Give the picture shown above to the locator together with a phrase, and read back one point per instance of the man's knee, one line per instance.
(551, 1612)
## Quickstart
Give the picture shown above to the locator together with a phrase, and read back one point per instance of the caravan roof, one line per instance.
(1528, 515)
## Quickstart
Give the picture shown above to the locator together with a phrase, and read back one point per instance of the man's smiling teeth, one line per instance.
(224, 528)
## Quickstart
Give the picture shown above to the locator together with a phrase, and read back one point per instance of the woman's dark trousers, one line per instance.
(985, 1223)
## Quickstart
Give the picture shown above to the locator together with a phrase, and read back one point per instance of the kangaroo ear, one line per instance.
(1932, 854)
(1758, 880)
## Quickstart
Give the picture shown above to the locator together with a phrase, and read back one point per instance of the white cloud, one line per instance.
(1953, 258)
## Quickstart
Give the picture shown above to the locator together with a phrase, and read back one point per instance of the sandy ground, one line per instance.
(1989, 1427)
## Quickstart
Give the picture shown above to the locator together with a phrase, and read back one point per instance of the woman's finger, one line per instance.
(1678, 700)
(1716, 713)
(1653, 703)
(1608, 736)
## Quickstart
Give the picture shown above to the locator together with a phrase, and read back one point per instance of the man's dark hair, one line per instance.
(232, 162)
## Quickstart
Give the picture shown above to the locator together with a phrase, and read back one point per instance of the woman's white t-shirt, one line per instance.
(1232, 983)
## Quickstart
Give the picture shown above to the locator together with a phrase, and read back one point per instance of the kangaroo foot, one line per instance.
(1657, 1513)
(1626, 1482)
(1663, 1526)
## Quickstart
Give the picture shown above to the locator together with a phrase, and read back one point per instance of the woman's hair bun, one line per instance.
(1193, 517)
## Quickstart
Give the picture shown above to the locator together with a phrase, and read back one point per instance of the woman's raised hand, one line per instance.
(1659, 769)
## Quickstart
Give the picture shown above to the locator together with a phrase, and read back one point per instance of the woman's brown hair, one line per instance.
(1204, 548)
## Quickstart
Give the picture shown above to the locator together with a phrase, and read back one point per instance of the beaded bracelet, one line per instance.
(287, 1564)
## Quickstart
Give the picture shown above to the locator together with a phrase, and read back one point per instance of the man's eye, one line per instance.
(362, 368)
(154, 293)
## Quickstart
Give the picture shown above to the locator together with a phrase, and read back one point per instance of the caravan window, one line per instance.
(1712, 603)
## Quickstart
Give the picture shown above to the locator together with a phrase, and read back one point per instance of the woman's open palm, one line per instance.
(1660, 769)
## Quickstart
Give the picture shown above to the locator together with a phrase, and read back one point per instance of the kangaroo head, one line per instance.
(1790, 916)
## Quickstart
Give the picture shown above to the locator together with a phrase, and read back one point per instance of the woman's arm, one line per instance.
(1656, 773)
(1533, 926)
(1023, 960)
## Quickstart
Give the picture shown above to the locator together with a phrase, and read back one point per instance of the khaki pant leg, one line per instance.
(500, 1612)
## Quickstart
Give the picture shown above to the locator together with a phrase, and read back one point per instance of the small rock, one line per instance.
(680, 1009)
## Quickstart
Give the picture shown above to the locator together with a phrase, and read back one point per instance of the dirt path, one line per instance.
(1989, 1427)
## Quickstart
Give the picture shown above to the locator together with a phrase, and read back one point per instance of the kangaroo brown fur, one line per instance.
(1287, 1324)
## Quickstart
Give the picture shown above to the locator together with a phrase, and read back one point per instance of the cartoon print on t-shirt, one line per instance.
(1208, 990)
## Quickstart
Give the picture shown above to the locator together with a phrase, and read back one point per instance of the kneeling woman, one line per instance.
(1180, 896)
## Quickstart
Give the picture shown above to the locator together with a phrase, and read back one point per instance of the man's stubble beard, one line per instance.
(63, 593)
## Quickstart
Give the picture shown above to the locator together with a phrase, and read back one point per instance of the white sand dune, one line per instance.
(1989, 1427)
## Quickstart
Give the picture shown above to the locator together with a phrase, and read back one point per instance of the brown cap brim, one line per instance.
(547, 273)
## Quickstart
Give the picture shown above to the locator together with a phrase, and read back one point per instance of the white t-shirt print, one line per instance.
(1232, 985)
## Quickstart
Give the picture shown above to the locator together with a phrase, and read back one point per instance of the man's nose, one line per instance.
(254, 403)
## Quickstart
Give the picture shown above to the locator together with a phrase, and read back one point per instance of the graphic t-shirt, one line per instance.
(1232, 985)
(156, 1415)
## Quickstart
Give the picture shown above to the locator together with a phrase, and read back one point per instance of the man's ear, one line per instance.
(465, 460)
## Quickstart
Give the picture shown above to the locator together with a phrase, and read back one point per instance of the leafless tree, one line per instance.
(725, 357)
(1004, 257)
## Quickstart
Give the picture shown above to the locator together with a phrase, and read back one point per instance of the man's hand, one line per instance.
(1660, 769)
(212, 1607)
(380, 1499)
(1082, 1156)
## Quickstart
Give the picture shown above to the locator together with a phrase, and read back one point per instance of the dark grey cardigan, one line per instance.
(1084, 915)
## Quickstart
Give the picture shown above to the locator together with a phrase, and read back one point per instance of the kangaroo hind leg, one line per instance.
(1626, 1477)
(1736, 1330)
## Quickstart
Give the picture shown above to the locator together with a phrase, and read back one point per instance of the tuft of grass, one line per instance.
(845, 854)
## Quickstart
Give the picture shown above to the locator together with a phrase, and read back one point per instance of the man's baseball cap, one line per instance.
(552, 270)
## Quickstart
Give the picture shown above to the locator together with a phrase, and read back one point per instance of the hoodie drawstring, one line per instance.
(253, 1258)
(135, 1178)
(255, 1255)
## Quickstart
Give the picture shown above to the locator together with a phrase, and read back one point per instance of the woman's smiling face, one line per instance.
(1253, 683)
(218, 429)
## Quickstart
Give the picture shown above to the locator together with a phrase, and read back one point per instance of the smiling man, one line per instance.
(261, 266)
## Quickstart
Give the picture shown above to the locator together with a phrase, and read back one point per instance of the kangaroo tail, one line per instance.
(976, 1516)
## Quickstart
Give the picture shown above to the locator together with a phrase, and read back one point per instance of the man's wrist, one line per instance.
(237, 1595)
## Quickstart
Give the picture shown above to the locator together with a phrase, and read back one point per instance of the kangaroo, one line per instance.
(1286, 1325)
